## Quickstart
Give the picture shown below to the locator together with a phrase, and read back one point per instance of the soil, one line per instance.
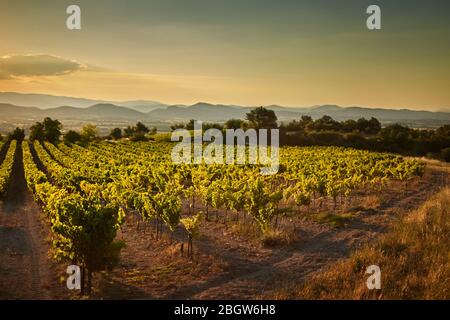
(26, 272)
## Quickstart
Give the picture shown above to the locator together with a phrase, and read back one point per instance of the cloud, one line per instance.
(36, 65)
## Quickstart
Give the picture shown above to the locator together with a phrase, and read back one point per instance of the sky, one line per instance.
(246, 52)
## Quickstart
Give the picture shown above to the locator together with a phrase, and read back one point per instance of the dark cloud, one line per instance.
(36, 65)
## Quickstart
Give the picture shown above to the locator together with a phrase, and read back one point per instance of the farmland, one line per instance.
(140, 226)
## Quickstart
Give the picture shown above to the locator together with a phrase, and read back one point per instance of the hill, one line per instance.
(24, 108)
(45, 101)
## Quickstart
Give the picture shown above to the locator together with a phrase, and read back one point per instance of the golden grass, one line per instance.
(432, 163)
(277, 238)
(371, 201)
(271, 238)
(333, 219)
(246, 230)
(414, 258)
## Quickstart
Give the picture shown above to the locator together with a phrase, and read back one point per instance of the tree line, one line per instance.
(52, 131)
(361, 134)
(368, 135)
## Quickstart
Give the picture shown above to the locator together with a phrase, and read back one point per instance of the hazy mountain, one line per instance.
(97, 112)
(152, 111)
(142, 105)
(340, 113)
(9, 111)
(45, 101)
(209, 112)
(199, 111)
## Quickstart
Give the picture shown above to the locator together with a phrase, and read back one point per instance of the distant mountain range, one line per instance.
(24, 108)
(45, 101)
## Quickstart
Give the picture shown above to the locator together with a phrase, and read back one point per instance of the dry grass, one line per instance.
(445, 166)
(271, 238)
(245, 230)
(277, 238)
(371, 202)
(335, 220)
(414, 258)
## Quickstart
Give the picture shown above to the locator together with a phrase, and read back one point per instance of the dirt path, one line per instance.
(25, 270)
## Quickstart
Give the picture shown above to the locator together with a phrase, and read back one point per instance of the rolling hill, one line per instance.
(45, 101)
(85, 110)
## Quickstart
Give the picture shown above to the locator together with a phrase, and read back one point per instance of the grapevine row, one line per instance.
(6, 167)
(82, 223)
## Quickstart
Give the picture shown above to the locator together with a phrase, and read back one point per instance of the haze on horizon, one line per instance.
(253, 52)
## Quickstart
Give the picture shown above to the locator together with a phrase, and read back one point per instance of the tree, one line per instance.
(362, 124)
(445, 154)
(234, 124)
(72, 137)
(48, 130)
(138, 132)
(444, 131)
(128, 131)
(306, 121)
(190, 125)
(141, 128)
(89, 132)
(395, 133)
(37, 132)
(1, 137)
(293, 126)
(176, 126)
(374, 126)
(262, 118)
(326, 123)
(52, 130)
(18, 134)
(116, 134)
(349, 125)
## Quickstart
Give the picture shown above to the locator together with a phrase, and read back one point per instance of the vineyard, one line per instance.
(90, 195)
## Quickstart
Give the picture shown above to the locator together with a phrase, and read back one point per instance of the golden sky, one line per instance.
(254, 52)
